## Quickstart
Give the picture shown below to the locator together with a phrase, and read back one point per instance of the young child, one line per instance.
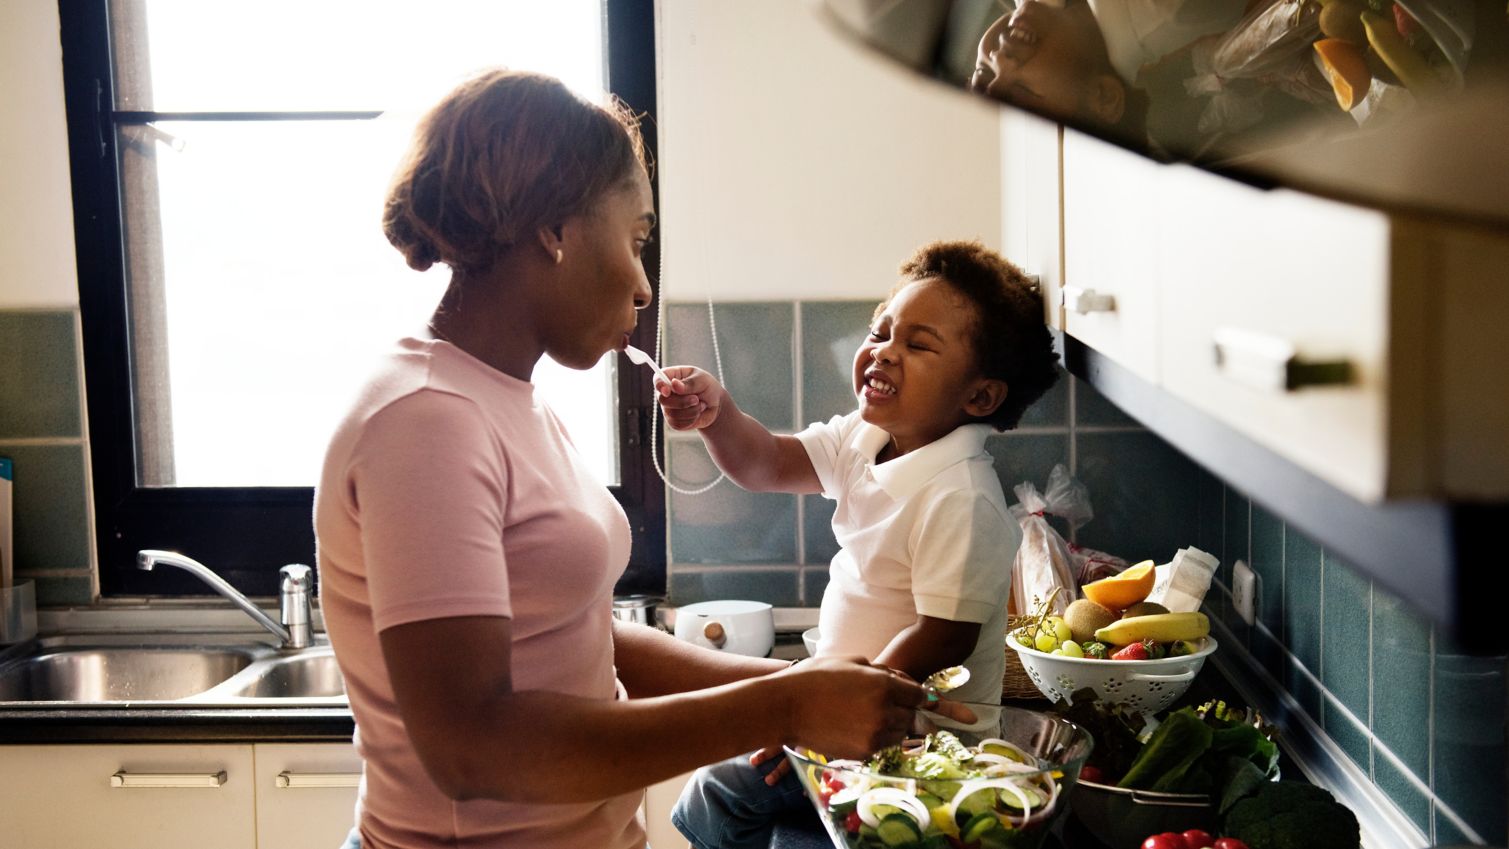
(922, 577)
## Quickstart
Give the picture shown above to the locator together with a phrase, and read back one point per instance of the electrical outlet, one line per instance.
(1244, 591)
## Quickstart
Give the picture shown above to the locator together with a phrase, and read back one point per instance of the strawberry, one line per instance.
(1135, 651)
(1404, 22)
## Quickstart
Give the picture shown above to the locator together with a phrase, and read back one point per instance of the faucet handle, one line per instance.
(296, 578)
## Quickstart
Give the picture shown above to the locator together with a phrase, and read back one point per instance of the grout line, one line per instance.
(724, 568)
(1110, 429)
(1430, 729)
(1073, 431)
(40, 441)
(1372, 717)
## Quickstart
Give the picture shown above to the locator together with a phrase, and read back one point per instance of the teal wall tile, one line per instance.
(1094, 409)
(1143, 492)
(1350, 736)
(1023, 458)
(726, 524)
(49, 504)
(757, 341)
(1268, 653)
(1268, 562)
(1209, 514)
(1051, 410)
(818, 542)
(1301, 594)
(831, 334)
(1405, 795)
(1301, 685)
(1447, 831)
(63, 591)
(1401, 681)
(1236, 535)
(39, 380)
(814, 583)
(1348, 635)
(1468, 736)
(774, 586)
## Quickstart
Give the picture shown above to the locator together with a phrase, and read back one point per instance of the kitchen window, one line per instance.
(229, 163)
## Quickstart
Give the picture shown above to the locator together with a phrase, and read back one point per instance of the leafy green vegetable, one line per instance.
(1292, 815)
(1178, 742)
(1115, 730)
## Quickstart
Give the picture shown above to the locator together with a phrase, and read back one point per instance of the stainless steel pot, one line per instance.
(1122, 818)
(637, 608)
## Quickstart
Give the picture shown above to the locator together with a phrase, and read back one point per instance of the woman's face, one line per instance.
(916, 370)
(1041, 57)
(602, 284)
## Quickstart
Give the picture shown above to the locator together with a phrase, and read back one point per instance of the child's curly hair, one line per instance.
(1011, 338)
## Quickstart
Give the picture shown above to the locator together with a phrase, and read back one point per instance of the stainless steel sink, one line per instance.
(118, 674)
(166, 670)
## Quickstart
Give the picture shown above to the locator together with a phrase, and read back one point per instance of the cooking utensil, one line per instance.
(737, 627)
(637, 608)
(944, 680)
(640, 358)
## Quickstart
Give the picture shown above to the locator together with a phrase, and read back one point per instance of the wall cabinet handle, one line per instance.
(1085, 301)
(299, 780)
(121, 778)
(1271, 362)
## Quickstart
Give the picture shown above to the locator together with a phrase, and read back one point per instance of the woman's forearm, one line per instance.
(654, 663)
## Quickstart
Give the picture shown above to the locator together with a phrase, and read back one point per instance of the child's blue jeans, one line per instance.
(728, 805)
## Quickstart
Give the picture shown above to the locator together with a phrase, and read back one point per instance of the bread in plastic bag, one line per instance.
(1043, 561)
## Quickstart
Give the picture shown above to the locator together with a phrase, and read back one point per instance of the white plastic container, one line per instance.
(738, 627)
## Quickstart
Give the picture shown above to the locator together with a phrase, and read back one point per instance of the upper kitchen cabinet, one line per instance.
(1031, 229)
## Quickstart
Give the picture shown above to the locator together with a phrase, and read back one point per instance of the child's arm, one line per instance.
(751, 456)
(928, 645)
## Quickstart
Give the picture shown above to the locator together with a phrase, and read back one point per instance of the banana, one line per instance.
(1406, 63)
(1158, 627)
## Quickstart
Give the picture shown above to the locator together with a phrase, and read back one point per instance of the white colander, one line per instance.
(1146, 686)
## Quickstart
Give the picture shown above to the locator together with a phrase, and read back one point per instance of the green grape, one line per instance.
(1025, 639)
(1046, 642)
(1060, 628)
(1071, 649)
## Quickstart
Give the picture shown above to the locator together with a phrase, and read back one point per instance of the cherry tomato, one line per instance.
(1166, 840)
(852, 822)
(1197, 839)
(1230, 843)
(1093, 773)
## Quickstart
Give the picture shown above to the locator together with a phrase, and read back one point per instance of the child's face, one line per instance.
(915, 374)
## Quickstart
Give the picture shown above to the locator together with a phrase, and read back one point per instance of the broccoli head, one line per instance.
(1292, 815)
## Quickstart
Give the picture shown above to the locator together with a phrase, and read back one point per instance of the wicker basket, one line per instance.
(1016, 683)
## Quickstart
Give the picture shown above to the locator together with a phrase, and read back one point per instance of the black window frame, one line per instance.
(246, 534)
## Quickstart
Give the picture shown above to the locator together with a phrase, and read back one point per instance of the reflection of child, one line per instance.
(923, 574)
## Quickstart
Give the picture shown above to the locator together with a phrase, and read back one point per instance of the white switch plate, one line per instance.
(1244, 590)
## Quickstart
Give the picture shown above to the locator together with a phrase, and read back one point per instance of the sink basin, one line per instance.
(166, 670)
(109, 674)
(304, 676)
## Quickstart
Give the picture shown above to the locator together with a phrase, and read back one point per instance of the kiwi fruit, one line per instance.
(1085, 617)
(1343, 19)
(1143, 608)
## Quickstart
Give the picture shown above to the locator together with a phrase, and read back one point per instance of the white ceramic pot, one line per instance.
(740, 627)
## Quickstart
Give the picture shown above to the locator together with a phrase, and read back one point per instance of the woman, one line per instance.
(467, 556)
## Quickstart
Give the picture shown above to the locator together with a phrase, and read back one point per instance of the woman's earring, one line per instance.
(559, 255)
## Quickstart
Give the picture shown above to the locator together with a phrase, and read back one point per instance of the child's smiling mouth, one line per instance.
(877, 386)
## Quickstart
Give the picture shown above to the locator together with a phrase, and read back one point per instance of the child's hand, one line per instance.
(781, 768)
(691, 400)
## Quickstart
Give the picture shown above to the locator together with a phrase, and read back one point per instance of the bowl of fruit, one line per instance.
(1002, 786)
(1128, 650)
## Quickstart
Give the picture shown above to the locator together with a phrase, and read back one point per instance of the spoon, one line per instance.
(640, 358)
(944, 680)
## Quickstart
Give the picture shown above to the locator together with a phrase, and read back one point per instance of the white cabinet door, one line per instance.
(127, 797)
(1254, 279)
(1030, 230)
(306, 794)
(1111, 208)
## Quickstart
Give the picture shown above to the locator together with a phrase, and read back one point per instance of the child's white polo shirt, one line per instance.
(926, 533)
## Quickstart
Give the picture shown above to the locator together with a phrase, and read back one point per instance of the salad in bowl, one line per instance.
(1000, 786)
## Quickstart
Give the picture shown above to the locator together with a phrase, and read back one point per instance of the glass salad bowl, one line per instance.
(1001, 784)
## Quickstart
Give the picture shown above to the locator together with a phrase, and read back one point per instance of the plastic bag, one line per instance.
(1091, 565)
(1043, 561)
(1270, 49)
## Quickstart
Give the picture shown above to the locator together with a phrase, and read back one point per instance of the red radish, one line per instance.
(1197, 839)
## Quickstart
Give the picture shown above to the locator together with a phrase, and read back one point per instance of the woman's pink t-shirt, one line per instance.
(450, 490)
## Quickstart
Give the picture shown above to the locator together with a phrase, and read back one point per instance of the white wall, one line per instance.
(797, 164)
(36, 208)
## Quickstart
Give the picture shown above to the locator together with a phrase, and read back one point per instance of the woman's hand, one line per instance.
(692, 398)
(846, 708)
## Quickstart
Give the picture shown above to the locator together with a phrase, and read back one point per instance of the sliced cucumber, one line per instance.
(978, 826)
(1011, 801)
(844, 800)
(898, 830)
(981, 801)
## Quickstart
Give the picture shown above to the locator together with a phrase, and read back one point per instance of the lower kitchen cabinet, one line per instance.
(177, 796)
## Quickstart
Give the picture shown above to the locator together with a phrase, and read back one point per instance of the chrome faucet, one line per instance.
(296, 630)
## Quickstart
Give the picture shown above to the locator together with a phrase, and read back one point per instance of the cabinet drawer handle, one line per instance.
(1085, 301)
(299, 780)
(1271, 362)
(167, 779)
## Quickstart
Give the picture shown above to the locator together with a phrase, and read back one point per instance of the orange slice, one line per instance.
(1119, 592)
(1346, 67)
